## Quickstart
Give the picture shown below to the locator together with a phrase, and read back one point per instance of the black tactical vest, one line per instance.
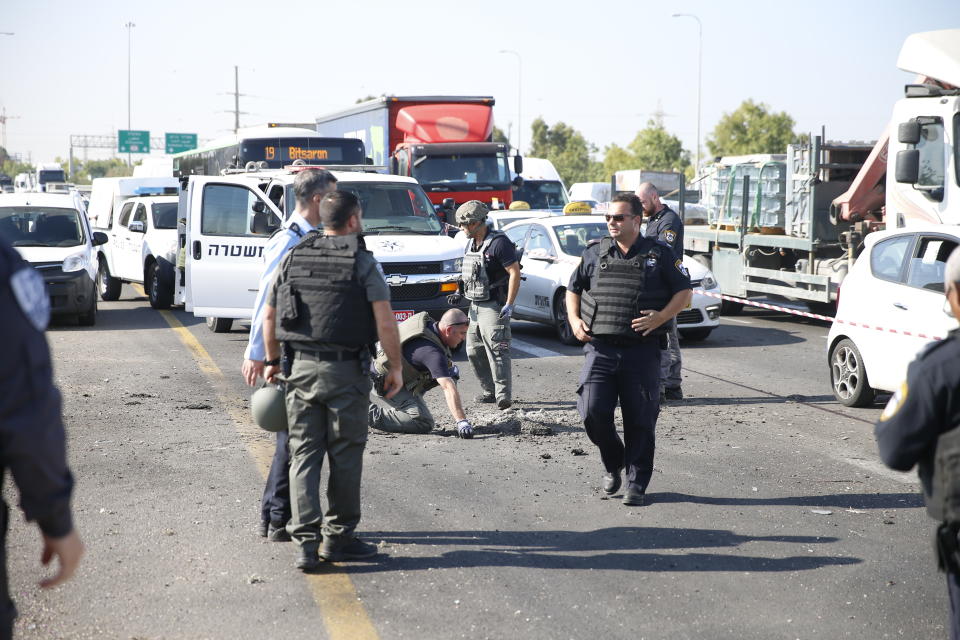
(943, 503)
(321, 298)
(621, 287)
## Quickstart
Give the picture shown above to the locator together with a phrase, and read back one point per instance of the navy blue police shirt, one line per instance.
(669, 274)
(426, 356)
(665, 225)
(32, 441)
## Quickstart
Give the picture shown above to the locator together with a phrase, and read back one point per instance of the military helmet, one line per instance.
(269, 407)
(472, 211)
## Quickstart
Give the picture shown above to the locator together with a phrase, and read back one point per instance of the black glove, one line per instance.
(454, 299)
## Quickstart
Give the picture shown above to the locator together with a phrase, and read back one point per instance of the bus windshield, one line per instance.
(283, 151)
(51, 175)
(488, 170)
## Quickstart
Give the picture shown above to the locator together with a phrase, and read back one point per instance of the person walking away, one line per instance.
(619, 301)
(921, 426)
(666, 225)
(427, 363)
(328, 303)
(309, 187)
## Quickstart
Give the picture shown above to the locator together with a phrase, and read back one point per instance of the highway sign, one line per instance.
(133, 141)
(177, 142)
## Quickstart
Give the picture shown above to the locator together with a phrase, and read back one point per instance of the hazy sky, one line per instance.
(601, 67)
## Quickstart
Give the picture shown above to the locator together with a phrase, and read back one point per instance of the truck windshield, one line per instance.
(394, 208)
(41, 227)
(481, 170)
(541, 194)
(52, 175)
(164, 215)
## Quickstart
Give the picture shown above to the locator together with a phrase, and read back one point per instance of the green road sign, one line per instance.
(177, 142)
(133, 141)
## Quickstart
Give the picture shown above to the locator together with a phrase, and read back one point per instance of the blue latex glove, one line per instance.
(506, 312)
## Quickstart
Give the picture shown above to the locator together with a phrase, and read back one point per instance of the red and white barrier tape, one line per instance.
(817, 316)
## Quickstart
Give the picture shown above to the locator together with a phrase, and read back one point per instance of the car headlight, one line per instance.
(76, 262)
(452, 266)
(709, 282)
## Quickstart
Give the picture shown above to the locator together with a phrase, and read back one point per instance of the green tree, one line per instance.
(567, 149)
(655, 149)
(752, 128)
(499, 135)
(615, 158)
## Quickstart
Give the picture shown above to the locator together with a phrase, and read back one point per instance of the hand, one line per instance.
(68, 549)
(392, 383)
(648, 321)
(580, 329)
(464, 429)
(252, 369)
(454, 299)
(506, 311)
(270, 373)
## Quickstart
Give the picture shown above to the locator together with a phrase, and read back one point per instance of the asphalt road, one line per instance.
(769, 515)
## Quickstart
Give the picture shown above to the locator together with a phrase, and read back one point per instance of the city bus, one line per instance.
(277, 146)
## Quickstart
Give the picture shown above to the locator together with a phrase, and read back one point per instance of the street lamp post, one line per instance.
(699, 76)
(519, 97)
(129, 27)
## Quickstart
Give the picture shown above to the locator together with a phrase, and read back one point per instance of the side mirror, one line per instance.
(368, 160)
(909, 132)
(449, 203)
(908, 166)
(518, 163)
(137, 227)
(99, 238)
(259, 207)
(517, 182)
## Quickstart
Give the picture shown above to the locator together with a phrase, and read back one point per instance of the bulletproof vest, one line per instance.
(476, 280)
(621, 287)
(321, 298)
(414, 380)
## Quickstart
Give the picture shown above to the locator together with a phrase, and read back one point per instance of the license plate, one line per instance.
(402, 315)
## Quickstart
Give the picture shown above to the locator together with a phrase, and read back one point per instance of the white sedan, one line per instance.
(551, 252)
(896, 285)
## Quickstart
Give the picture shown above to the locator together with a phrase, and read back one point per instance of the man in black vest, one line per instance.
(619, 300)
(328, 303)
(665, 224)
(427, 363)
(32, 441)
(924, 408)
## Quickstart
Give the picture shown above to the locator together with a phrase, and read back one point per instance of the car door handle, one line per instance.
(196, 249)
(900, 306)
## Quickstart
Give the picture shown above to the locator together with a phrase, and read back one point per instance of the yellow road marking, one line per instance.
(343, 614)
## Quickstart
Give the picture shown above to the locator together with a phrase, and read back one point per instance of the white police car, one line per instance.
(552, 248)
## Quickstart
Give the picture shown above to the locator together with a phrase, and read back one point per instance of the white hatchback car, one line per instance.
(895, 286)
(552, 248)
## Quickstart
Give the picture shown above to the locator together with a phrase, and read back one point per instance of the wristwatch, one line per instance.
(271, 363)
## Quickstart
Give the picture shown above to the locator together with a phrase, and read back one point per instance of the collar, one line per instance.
(663, 209)
(300, 221)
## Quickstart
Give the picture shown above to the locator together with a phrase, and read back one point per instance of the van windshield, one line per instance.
(541, 194)
(164, 215)
(41, 227)
(394, 208)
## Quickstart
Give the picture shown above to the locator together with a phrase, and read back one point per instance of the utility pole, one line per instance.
(3, 122)
(236, 99)
(129, 27)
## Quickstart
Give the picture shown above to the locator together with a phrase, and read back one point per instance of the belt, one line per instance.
(326, 356)
(618, 341)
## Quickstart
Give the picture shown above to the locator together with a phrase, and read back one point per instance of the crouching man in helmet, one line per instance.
(427, 363)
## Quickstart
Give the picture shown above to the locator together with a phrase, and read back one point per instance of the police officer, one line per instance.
(328, 303)
(619, 301)
(666, 225)
(309, 187)
(490, 281)
(32, 440)
(921, 426)
(427, 363)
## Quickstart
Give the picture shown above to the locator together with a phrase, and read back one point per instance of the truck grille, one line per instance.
(418, 291)
(411, 268)
(690, 316)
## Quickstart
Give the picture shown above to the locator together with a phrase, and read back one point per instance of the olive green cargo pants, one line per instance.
(406, 412)
(488, 348)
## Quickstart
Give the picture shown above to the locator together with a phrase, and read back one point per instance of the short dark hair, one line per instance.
(310, 182)
(636, 207)
(336, 208)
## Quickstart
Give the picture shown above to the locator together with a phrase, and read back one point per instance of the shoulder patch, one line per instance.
(896, 401)
(669, 235)
(31, 294)
(682, 269)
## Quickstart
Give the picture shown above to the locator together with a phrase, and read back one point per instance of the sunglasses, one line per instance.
(616, 218)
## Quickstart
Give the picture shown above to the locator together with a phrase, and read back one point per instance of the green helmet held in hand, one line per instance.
(269, 407)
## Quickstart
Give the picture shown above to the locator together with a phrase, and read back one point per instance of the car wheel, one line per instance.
(161, 296)
(108, 286)
(848, 375)
(729, 308)
(219, 325)
(89, 317)
(560, 321)
(695, 335)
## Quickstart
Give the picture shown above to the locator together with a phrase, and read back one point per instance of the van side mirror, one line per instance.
(517, 182)
(258, 206)
(99, 238)
(908, 166)
(909, 132)
(517, 164)
(137, 227)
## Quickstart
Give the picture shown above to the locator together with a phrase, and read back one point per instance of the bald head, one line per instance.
(453, 327)
(649, 198)
(453, 317)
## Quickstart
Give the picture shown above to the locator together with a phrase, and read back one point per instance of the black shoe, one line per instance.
(484, 398)
(633, 496)
(263, 529)
(308, 561)
(673, 393)
(349, 548)
(277, 533)
(503, 404)
(611, 482)
(663, 398)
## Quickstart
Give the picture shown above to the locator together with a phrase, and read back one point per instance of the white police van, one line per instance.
(228, 220)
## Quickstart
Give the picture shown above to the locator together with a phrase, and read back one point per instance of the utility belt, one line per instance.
(621, 341)
(326, 356)
(947, 547)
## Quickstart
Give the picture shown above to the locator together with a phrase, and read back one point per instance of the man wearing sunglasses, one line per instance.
(619, 302)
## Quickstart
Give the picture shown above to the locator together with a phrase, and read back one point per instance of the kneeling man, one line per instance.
(427, 363)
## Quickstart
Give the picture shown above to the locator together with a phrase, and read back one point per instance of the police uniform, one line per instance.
(925, 407)
(275, 503)
(422, 349)
(322, 296)
(32, 440)
(621, 363)
(667, 226)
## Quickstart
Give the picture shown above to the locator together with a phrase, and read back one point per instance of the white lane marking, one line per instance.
(533, 350)
(740, 321)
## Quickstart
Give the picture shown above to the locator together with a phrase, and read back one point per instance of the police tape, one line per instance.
(817, 316)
